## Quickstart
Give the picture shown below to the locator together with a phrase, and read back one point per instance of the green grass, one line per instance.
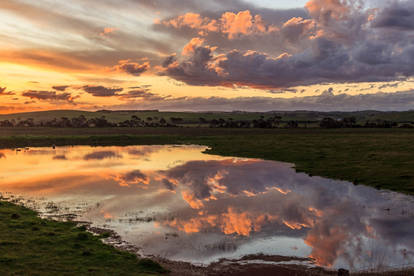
(30, 245)
(382, 158)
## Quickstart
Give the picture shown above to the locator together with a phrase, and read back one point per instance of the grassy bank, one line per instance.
(33, 246)
(382, 158)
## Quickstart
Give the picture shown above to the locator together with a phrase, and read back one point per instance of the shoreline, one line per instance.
(220, 144)
(246, 265)
(153, 265)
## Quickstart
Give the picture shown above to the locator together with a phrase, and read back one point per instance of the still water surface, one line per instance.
(176, 202)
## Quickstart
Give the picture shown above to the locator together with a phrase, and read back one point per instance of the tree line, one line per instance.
(83, 122)
(261, 122)
(351, 122)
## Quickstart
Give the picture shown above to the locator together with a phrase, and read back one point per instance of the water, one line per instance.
(176, 202)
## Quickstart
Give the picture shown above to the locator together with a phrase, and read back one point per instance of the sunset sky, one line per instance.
(197, 55)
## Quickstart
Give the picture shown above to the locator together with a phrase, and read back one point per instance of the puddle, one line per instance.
(183, 205)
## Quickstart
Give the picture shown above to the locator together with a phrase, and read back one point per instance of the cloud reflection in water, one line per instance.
(182, 204)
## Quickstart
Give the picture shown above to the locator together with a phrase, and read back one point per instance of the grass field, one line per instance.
(382, 158)
(33, 246)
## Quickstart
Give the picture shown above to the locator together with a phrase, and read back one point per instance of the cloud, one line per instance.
(296, 28)
(197, 6)
(389, 85)
(245, 28)
(168, 184)
(403, 100)
(207, 177)
(339, 44)
(107, 31)
(132, 68)
(398, 15)
(100, 155)
(48, 59)
(135, 177)
(229, 24)
(187, 50)
(49, 96)
(168, 60)
(101, 91)
(60, 157)
(142, 94)
(61, 87)
(4, 92)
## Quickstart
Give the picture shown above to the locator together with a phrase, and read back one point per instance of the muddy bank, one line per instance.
(248, 265)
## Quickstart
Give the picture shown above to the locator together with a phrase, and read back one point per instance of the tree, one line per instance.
(292, 124)
(202, 120)
(349, 122)
(329, 123)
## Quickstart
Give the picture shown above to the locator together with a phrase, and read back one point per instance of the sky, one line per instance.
(196, 55)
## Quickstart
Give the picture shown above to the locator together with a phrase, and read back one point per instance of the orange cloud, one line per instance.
(238, 223)
(241, 23)
(295, 225)
(132, 68)
(192, 201)
(231, 222)
(48, 60)
(230, 24)
(194, 225)
(326, 245)
(324, 10)
(132, 178)
(107, 31)
(192, 45)
(107, 215)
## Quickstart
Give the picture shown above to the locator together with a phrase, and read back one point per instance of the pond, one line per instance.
(181, 204)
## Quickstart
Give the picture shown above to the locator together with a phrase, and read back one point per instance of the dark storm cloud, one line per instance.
(167, 183)
(398, 15)
(326, 61)
(169, 60)
(49, 96)
(345, 45)
(235, 176)
(101, 91)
